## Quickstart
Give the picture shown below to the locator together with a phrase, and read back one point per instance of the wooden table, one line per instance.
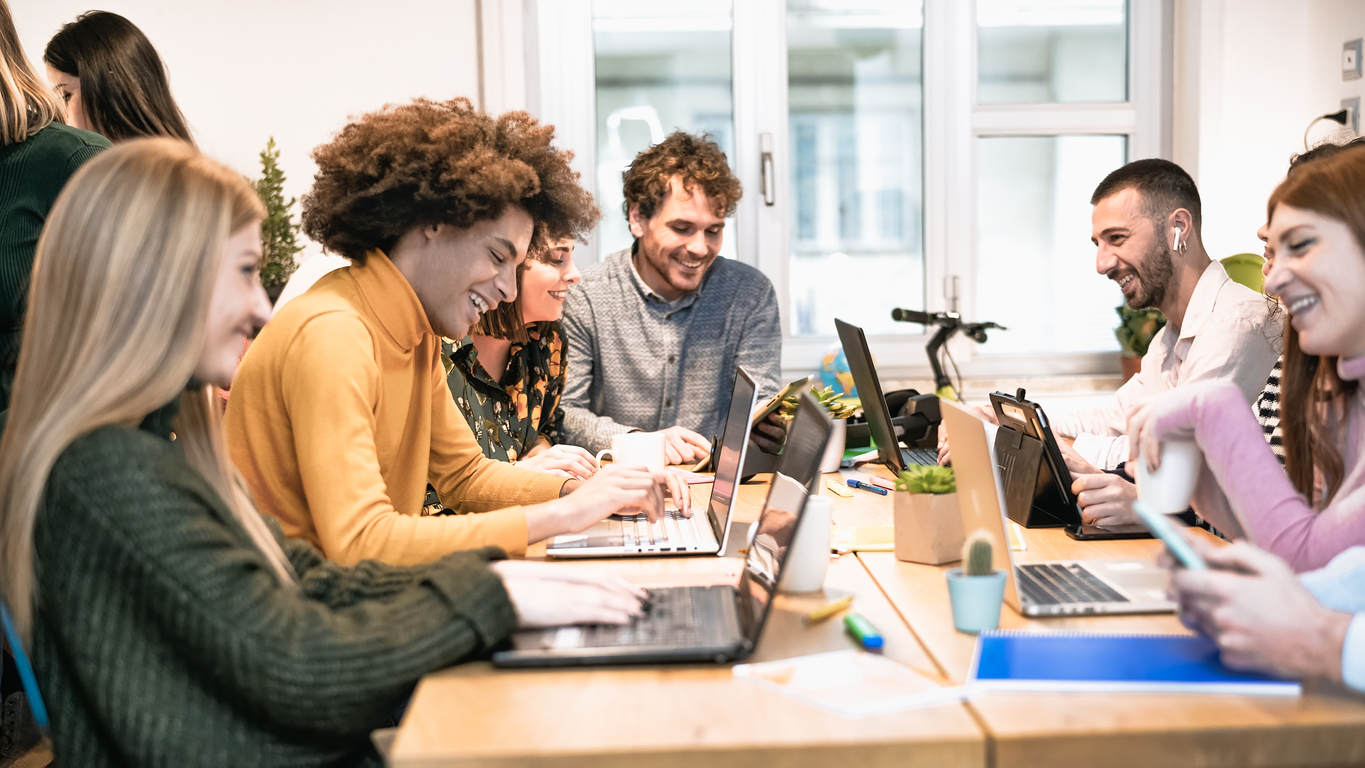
(1324, 727)
(476, 716)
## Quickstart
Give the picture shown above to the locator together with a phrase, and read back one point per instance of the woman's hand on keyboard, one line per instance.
(615, 490)
(565, 460)
(548, 595)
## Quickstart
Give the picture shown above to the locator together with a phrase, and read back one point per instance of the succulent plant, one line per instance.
(827, 397)
(1137, 328)
(976, 555)
(926, 479)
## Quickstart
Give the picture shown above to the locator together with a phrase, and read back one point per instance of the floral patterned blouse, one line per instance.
(508, 418)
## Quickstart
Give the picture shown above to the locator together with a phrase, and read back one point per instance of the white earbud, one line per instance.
(1175, 240)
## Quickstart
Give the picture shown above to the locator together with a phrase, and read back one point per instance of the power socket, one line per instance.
(1350, 60)
(1352, 105)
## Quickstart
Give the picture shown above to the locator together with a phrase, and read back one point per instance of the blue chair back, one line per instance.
(21, 662)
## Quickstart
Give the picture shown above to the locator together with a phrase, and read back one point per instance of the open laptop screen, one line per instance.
(860, 364)
(806, 438)
(777, 524)
(732, 450)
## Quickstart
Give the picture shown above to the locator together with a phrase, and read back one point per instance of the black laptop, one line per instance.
(879, 424)
(718, 623)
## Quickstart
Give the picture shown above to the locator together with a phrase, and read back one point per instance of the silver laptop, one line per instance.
(674, 534)
(717, 623)
(1042, 589)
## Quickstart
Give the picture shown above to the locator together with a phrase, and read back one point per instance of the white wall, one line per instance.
(245, 70)
(1249, 77)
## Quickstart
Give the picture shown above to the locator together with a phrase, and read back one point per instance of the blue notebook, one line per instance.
(1099, 663)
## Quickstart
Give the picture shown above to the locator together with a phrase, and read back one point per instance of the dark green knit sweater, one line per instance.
(32, 172)
(162, 637)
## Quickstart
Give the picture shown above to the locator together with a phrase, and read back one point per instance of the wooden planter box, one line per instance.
(928, 527)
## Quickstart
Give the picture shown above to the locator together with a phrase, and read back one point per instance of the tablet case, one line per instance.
(1031, 496)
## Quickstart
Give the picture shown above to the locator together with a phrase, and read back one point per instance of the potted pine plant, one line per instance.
(928, 528)
(1137, 328)
(279, 231)
(976, 590)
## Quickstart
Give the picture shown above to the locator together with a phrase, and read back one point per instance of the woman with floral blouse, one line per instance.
(507, 376)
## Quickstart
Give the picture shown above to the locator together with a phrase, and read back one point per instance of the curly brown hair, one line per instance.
(696, 160)
(425, 163)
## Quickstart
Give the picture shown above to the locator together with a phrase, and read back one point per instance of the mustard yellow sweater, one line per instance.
(340, 415)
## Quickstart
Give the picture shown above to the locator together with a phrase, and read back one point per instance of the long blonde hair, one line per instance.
(117, 317)
(26, 104)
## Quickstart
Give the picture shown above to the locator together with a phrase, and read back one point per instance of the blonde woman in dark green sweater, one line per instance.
(170, 623)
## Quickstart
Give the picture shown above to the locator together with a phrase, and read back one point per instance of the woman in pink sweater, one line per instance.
(1317, 230)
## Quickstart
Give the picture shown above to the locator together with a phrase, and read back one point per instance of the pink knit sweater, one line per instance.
(1241, 476)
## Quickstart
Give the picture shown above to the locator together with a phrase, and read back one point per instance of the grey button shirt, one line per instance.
(639, 362)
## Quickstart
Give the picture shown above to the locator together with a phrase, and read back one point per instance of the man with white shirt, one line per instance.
(1146, 225)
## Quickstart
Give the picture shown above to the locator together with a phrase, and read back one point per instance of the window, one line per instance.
(659, 68)
(927, 154)
(855, 96)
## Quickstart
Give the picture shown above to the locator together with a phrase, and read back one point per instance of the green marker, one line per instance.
(863, 631)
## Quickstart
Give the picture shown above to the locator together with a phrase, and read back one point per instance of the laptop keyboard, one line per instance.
(670, 619)
(1058, 584)
(671, 532)
(925, 456)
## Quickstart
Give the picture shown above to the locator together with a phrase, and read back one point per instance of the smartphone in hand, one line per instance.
(1163, 528)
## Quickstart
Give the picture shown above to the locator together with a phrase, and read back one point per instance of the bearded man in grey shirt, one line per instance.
(656, 331)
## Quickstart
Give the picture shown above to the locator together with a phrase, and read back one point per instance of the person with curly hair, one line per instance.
(170, 623)
(340, 413)
(656, 331)
(508, 376)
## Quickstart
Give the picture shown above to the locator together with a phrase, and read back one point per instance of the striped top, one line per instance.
(1267, 410)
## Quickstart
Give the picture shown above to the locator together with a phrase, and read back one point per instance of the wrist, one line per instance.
(1333, 643)
(569, 487)
(545, 520)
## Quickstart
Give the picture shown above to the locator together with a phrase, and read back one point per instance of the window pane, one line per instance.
(1035, 264)
(1048, 51)
(660, 67)
(855, 97)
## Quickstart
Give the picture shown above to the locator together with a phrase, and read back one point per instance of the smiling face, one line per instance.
(545, 282)
(679, 243)
(458, 274)
(1263, 234)
(68, 89)
(1319, 275)
(238, 307)
(1132, 251)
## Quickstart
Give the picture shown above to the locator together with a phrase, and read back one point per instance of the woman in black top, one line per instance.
(112, 80)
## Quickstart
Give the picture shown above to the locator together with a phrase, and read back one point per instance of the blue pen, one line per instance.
(866, 486)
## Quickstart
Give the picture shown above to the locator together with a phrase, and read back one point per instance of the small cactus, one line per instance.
(976, 555)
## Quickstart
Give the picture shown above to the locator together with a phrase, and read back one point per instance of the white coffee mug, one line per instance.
(1168, 490)
(635, 449)
(808, 556)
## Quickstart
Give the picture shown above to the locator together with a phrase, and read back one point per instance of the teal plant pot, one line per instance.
(976, 600)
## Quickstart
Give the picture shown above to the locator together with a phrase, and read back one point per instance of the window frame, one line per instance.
(562, 92)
